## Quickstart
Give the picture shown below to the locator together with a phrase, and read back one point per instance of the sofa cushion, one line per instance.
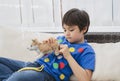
(107, 61)
(14, 43)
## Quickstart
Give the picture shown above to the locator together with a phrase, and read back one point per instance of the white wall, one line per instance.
(41, 15)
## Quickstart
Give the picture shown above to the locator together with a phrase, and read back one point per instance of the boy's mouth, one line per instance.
(68, 37)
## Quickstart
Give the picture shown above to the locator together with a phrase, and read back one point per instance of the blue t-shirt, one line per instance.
(58, 67)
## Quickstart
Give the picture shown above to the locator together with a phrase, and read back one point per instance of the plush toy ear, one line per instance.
(33, 40)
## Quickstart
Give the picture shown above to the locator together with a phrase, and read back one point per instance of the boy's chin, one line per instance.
(71, 41)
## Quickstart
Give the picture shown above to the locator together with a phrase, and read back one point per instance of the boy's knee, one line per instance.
(18, 76)
(22, 76)
(2, 59)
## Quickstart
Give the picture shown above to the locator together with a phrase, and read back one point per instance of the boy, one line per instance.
(76, 56)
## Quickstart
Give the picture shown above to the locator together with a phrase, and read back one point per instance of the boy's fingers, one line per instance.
(51, 40)
(45, 41)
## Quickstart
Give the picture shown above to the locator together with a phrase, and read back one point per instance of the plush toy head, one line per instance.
(34, 46)
(44, 48)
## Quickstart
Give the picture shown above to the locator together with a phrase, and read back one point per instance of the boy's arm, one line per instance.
(80, 73)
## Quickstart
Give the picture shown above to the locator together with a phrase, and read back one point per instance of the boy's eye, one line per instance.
(72, 30)
(64, 30)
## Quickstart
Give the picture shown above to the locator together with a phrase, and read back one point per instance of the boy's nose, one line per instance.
(67, 33)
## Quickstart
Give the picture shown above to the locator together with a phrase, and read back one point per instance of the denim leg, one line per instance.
(30, 75)
(8, 66)
(5, 72)
(14, 65)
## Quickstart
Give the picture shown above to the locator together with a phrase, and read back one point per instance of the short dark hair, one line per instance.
(76, 17)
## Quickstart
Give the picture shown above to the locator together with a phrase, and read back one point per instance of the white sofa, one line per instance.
(14, 43)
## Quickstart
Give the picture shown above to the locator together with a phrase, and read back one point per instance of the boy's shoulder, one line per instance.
(89, 48)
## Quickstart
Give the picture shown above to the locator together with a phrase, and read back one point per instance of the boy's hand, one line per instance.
(49, 40)
(64, 50)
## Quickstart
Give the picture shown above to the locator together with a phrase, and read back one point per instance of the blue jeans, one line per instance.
(9, 68)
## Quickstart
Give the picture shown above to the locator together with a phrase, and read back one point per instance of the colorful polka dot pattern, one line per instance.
(80, 50)
(55, 65)
(60, 41)
(46, 60)
(62, 76)
(71, 49)
(61, 65)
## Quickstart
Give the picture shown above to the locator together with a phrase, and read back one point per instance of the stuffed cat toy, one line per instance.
(44, 48)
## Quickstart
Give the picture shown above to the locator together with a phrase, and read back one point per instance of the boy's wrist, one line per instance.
(68, 57)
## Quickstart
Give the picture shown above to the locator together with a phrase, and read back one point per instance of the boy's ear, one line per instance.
(85, 29)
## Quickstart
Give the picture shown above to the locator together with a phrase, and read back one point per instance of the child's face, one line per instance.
(73, 34)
